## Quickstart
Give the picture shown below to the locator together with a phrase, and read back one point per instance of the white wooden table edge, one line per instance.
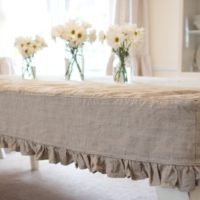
(2, 153)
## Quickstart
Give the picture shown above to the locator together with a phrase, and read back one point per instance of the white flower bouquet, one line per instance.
(122, 39)
(75, 34)
(28, 47)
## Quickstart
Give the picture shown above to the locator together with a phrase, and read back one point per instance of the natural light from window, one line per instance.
(30, 17)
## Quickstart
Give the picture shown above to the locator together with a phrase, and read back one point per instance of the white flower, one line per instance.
(86, 25)
(81, 35)
(56, 31)
(102, 36)
(28, 46)
(92, 36)
(74, 33)
(19, 42)
(138, 35)
(25, 53)
(32, 48)
(70, 30)
(122, 39)
(126, 36)
(27, 50)
(115, 37)
(73, 43)
(115, 40)
(65, 36)
(39, 42)
(129, 28)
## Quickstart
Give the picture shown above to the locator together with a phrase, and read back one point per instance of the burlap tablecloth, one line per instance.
(138, 131)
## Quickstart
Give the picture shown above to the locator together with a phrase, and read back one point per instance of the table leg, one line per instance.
(34, 163)
(195, 194)
(175, 194)
(2, 153)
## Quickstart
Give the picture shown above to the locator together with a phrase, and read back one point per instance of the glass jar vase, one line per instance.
(28, 69)
(122, 70)
(74, 64)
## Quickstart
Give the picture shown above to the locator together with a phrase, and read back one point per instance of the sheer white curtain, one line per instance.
(134, 11)
(30, 17)
(58, 11)
(21, 18)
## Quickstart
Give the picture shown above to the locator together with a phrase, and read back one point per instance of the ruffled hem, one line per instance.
(185, 178)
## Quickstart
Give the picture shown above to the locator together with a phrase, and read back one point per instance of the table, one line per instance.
(148, 129)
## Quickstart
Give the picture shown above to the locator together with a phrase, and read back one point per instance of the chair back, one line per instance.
(6, 66)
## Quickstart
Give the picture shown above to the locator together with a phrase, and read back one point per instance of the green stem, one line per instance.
(123, 68)
(79, 69)
(74, 52)
(122, 52)
(69, 70)
(28, 68)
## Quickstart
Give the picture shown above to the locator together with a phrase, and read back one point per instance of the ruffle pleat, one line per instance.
(185, 178)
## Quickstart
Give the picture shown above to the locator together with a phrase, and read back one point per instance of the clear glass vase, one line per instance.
(74, 64)
(122, 70)
(28, 69)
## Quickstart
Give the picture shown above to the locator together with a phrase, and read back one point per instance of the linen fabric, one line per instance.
(137, 130)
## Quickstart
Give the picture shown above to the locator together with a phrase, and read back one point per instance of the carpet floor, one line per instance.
(57, 182)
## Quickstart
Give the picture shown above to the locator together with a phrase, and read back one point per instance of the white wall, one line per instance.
(165, 35)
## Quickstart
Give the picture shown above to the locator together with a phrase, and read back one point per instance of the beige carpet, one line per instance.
(57, 182)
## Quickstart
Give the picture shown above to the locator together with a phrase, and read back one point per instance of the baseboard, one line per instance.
(166, 71)
(174, 73)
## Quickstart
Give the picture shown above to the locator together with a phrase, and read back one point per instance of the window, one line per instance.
(30, 17)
